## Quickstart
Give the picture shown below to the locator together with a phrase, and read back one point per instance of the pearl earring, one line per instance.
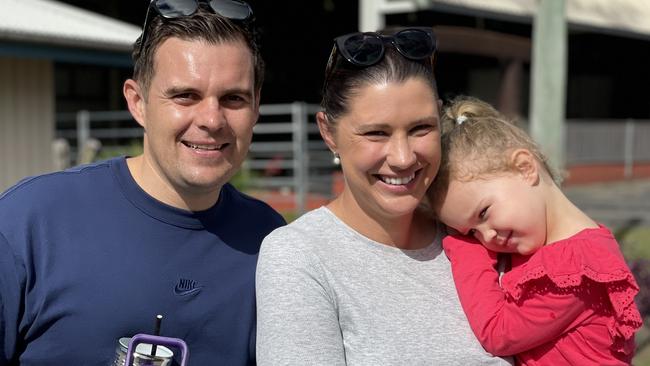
(337, 159)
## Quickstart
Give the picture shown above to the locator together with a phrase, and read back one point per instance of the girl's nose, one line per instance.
(487, 234)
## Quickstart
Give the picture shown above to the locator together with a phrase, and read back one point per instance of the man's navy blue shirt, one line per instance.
(87, 257)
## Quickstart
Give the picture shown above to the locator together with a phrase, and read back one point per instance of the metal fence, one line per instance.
(608, 141)
(287, 153)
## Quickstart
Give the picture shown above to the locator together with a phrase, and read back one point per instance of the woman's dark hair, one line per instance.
(343, 79)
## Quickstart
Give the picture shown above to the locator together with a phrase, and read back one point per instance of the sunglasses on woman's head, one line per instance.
(169, 9)
(366, 49)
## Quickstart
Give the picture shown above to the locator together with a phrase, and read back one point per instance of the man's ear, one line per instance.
(258, 94)
(326, 131)
(135, 101)
(525, 163)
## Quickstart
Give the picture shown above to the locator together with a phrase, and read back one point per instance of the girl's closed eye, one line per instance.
(483, 214)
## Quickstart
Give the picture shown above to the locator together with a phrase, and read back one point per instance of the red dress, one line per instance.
(569, 303)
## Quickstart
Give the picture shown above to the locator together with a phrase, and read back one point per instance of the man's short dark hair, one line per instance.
(203, 25)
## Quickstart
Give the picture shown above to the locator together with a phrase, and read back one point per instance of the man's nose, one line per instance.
(210, 114)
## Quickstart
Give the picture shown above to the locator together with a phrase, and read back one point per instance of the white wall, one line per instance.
(26, 118)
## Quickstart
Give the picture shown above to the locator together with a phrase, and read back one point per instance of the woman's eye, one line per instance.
(471, 232)
(421, 129)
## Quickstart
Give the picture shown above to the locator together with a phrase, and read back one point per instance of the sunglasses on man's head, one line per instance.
(169, 9)
(366, 49)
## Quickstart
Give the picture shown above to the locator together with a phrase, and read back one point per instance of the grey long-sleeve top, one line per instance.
(327, 295)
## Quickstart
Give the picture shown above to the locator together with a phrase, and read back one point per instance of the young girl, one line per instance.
(569, 296)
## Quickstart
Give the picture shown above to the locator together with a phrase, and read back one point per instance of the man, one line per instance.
(94, 253)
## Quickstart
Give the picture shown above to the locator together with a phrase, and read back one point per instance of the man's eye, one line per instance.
(375, 133)
(235, 98)
(185, 96)
(235, 101)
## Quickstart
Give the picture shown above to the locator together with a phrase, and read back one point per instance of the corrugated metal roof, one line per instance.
(618, 16)
(54, 23)
(628, 18)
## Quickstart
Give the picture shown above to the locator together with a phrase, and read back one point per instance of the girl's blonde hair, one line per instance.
(478, 141)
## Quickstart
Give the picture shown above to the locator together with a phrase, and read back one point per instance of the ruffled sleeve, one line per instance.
(504, 326)
(594, 255)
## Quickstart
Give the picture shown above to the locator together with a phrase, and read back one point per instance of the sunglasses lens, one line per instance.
(415, 44)
(231, 9)
(364, 49)
(176, 8)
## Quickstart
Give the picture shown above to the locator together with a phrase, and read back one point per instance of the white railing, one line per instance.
(608, 141)
(288, 154)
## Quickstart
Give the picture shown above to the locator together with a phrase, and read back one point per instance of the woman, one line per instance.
(363, 281)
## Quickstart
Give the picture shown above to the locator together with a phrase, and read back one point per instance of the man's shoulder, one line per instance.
(253, 207)
(55, 185)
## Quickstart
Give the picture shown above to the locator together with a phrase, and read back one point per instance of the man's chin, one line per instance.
(206, 179)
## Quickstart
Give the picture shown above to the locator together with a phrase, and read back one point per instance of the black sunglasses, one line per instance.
(367, 48)
(169, 9)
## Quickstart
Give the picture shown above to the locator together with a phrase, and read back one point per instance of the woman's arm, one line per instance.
(297, 321)
(503, 326)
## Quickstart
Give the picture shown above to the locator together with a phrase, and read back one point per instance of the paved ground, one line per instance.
(614, 204)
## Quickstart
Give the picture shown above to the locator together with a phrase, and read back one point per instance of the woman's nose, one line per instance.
(401, 153)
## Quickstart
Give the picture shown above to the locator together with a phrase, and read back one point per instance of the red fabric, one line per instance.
(570, 303)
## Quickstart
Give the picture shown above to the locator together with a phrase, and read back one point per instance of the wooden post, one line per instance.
(548, 94)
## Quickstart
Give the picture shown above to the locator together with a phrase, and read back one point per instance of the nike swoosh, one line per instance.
(186, 292)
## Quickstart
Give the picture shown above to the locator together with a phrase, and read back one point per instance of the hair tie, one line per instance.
(460, 119)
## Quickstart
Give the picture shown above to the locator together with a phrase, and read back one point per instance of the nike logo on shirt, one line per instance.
(186, 287)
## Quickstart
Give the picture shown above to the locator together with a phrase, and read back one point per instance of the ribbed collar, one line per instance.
(161, 211)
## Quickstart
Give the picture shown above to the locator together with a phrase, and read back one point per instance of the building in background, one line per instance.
(485, 51)
(38, 38)
(491, 41)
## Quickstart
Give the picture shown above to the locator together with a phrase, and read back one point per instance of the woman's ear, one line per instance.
(326, 131)
(525, 163)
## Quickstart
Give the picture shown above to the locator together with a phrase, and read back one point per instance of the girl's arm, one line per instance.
(503, 326)
(297, 322)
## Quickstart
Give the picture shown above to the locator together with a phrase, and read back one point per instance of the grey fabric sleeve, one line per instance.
(297, 324)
